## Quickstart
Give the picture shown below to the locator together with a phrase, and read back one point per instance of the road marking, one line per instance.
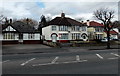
(42, 64)
(77, 58)
(59, 63)
(55, 60)
(113, 58)
(5, 61)
(83, 60)
(115, 54)
(70, 62)
(99, 56)
(27, 61)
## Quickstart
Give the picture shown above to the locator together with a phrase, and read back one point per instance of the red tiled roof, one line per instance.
(93, 23)
(112, 32)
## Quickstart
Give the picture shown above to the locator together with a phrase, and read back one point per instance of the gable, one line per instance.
(9, 28)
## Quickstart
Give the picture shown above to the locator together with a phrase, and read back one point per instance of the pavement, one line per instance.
(39, 48)
(28, 48)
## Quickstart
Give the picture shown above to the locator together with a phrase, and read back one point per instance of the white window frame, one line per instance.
(63, 36)
(31, 36)
(9, 36)
(54, 28)
(63, 28)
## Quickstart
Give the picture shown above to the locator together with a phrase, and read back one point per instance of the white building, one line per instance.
(19, 32)
(64, 29)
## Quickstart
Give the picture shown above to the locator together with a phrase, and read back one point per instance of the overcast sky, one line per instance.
(73, 8)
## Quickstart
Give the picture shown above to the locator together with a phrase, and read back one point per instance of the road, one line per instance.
(85, 62)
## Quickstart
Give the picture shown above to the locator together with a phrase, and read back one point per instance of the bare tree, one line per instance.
(105, 15)
(30, 21)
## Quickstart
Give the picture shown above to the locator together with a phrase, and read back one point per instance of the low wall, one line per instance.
(10, 42)
(32, 42)
(51, 44)
(24, 42)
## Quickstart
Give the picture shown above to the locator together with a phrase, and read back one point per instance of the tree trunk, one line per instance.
(41, 40)
(108, 37)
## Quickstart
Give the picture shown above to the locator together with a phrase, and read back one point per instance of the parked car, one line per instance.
(105, 39)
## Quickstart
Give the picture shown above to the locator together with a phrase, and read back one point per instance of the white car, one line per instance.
(105, 39)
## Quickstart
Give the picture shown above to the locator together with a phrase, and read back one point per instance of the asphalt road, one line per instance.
(88, 62)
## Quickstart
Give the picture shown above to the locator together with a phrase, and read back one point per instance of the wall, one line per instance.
(46, 31)
(91, 29)
(1, 37)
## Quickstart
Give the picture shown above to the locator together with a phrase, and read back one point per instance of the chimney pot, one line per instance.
(82, 21)
(27, 20)
(88, 20)
(62, 15)
(10, 21)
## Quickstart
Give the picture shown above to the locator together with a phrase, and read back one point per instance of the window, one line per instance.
(63, 36)
(75, 36)
(8, 36)
(63, 28)
(83, 28)
(31, 36)
(53, 28)
(98, 36)
(98, 29)
(75, 28)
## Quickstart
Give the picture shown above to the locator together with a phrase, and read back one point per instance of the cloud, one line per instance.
(34, 9)
(61, 0)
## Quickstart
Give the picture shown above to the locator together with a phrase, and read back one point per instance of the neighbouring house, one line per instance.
(65, 29)
(116, 28)
(113, 34)
(19, 32)
(95, 30)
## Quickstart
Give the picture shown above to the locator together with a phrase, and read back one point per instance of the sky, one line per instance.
(19, 9)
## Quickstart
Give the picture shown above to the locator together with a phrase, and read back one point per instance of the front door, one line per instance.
(20, 38)
(54, 38)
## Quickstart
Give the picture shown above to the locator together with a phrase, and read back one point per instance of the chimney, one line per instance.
(88, 22)
(27, 20)
(10, 21)
(62, 15)
(82, 21)
(6, 21)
